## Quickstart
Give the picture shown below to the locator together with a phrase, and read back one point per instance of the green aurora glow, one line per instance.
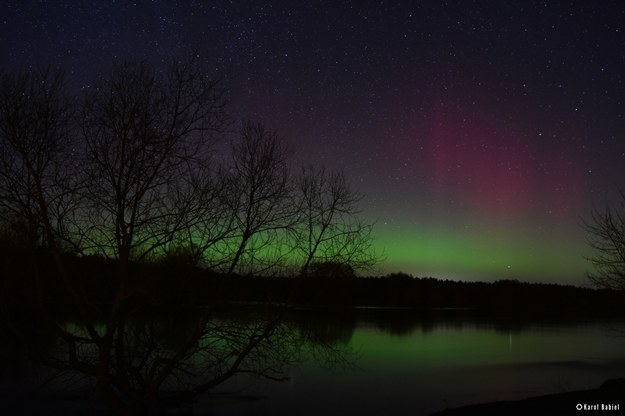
(450, 254)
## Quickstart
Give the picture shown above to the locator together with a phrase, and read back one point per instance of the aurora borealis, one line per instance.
(481, 134)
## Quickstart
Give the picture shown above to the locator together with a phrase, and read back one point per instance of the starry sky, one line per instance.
(481, 133)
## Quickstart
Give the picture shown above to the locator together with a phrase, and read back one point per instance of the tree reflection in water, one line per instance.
(164, 360)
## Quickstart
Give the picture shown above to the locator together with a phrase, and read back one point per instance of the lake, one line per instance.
(394, 362)
(418, 366)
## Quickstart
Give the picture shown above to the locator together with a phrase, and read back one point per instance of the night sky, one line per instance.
(480, 133)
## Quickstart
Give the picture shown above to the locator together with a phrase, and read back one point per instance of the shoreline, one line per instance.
(609, 397)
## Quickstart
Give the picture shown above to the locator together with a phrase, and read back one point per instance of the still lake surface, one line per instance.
(416, 366)
(403, 363)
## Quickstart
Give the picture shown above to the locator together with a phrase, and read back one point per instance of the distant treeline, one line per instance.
(172, 285)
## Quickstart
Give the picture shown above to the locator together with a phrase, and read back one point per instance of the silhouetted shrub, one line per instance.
(400, 276)
(181, 255)
(331, 269)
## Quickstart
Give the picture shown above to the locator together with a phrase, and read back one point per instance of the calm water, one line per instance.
(400, 364)
(418, 368)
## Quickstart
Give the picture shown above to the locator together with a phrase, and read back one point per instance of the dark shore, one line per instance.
(609, 398)
(168, 285)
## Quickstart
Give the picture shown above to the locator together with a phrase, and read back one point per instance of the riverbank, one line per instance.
(608, 398)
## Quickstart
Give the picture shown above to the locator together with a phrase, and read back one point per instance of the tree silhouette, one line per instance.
(331, 269)
(208, 221)
(328, 230)
(35, 145)
(134, 180)
(146, 137)
(606, 236)
(176, 357)
(35, 127)
(259, 194)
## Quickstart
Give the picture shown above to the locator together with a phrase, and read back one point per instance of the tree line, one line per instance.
(129, 171)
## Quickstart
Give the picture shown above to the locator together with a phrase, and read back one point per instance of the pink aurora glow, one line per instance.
(495, 169)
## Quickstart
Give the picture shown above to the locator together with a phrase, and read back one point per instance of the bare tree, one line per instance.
(146, 136)
(35, 136)
(35, 143)
(258, 186)
(329, 230)
(208, 221)
(606, 236)
(147, 184)
(147, 146)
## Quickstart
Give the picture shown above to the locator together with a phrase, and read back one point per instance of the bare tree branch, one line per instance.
(606, 236)
(328, 228)
(258, 185)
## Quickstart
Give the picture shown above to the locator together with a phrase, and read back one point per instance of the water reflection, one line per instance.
(415, 363)
(368, 361)
(162, 360)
